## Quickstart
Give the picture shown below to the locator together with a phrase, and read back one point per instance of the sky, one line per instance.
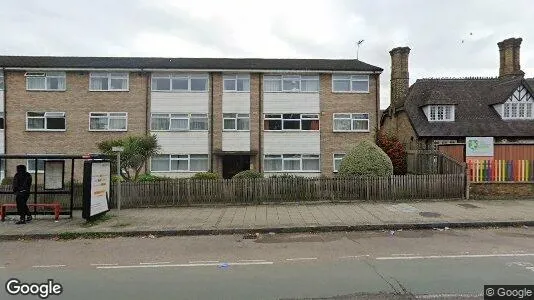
(454, 38)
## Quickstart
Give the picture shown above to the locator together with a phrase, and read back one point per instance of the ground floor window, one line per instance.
(292, 163)
(179, 163)
(337, 161)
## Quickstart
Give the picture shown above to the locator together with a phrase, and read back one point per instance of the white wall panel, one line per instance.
(236, 141)
(179, 102)
(189, 142)
(291, 103)
(236, 103)
(291, 142)
(1, 100)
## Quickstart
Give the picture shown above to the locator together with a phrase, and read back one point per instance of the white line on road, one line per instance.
(203, 261)
(402, 254)
(301, 258)
(155, 263)
(441, 296)
(454, 256)
(95, 265)
(50, 266)
(252, 260)
(188, 265)
(2, 267)
(355, 256)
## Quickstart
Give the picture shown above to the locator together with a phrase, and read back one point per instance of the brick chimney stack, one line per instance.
(400, 78)
(509, 57)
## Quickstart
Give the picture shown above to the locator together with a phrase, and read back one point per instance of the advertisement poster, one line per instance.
(96, 187)
(54, 174)
(479, 146)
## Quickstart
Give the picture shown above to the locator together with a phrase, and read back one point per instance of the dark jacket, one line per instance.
(22, 181)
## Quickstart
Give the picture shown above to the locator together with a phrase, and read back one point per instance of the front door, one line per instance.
(233, 164)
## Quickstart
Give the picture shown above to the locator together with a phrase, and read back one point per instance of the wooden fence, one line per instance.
(432, 162)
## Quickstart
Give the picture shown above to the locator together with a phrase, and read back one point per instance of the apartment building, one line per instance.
(277, 116)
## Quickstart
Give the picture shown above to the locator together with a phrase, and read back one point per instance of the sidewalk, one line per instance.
(283, 218)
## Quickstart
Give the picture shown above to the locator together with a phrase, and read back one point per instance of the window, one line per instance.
(236, 83)
(179, 122)
(518, 110)
(50, 81)
(291, 122)
(180, 82)
(2, 121)
(45, 121)
(1, 80)
(440, 112)
(292, 163)
(351, 122)
(350, 83)
(291, 83)
(108, 121)
(179, 163)
(236, 122)
(30, 165)
(337, 161)
(106, 81)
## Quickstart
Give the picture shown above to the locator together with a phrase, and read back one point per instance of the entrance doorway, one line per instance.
(233, 164)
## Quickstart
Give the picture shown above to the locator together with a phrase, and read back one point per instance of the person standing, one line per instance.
(22, 182)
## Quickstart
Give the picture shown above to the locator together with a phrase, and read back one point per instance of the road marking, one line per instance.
(454, 256)
(354, 256)
(440, 296)
(50, 266)
(252, 260)
(301, 258)
(203, 261)
(402, 254)
(155, 263)
(2, 267)
(187, 265)
(94, 265)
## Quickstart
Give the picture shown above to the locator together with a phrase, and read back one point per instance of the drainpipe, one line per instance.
(260, 118)
(210, 112)
(5, 122)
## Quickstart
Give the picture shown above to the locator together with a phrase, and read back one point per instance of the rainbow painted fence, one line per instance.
(501, 170)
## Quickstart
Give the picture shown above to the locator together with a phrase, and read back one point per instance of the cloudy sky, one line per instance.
(448, 38)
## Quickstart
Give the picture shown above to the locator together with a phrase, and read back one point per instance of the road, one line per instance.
(355, 265)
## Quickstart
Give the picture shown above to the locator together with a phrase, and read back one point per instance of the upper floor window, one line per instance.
(520, 105)
(45, 81)
(1, 80)
(45, 121)
(107, 81)
(239, 122)
(350, 83)
(291, 122)
(351, 122)
(108, 121)
(2, 120)
(179, 122)
(440, 112)
(180, 82)
(291, 83)
(236, 83)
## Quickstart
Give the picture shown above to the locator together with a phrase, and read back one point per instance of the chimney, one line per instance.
(509, 57)
(399, 75)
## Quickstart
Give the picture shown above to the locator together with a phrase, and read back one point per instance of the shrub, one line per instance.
(116, 178)
(366, 159)
(395, 150)
(7, 181)
(248, 174)
(206, 175)
(147, 177)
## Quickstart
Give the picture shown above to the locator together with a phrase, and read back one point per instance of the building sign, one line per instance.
(479, 146)
(96, 187)
(54, 174)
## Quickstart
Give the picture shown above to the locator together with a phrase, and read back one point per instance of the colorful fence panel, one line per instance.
(501, 170)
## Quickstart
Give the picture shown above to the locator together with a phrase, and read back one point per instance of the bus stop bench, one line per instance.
(55, 206)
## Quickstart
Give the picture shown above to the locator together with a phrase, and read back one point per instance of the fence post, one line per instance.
(466, 181)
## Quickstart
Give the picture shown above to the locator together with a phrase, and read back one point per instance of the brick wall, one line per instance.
(77, 102)
(255, 116)
(342, 142)
(501, 190)
(216, 119)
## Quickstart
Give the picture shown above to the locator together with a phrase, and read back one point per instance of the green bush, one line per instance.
(147, 177)
(116, 178)
(7, 181)
(366, 159)
(206, 175)
(248, 174)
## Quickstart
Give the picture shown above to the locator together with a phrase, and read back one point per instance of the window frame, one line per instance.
(235, 117)
(291, 157)
(528, 114)
(433, 112)
(334, 160)
(236, 77)
(46, 76)
(176, 158)
(298, 77)
(351, 122)
(189, 117)
(109, 117)
(109, 76)
(188, 76)
(352, 78)
(2, 120)
(301, 119)
(2, 81)
(45, 121)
